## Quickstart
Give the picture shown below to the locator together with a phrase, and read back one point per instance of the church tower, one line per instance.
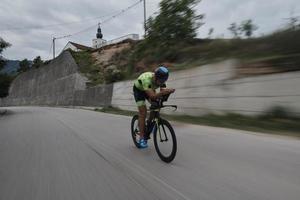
(98, 42)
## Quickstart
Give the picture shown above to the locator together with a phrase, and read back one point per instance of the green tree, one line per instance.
(293, 23)
(24, 65)
(234, 29)
(210, 32)
(248, 27)
(176, 21)
(3, 45)
(5, 81)
(37, 62)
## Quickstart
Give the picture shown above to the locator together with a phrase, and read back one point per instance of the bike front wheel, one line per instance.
(165, 141)
(135, 130)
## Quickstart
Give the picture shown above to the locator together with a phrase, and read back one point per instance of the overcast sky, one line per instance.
(26, 23)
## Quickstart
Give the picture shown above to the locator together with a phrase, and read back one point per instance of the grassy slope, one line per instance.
(278, 52)
(88, 67)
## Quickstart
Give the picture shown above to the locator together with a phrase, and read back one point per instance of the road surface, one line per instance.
(60, 153)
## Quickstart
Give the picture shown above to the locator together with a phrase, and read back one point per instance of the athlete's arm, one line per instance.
(164, 91)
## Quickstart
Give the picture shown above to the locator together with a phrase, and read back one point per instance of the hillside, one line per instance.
(275, 53)
(101, 66)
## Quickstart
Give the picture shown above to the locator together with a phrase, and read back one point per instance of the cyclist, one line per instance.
(144, 88)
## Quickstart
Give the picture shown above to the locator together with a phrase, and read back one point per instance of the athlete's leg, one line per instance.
(140, 97)
(142, 117)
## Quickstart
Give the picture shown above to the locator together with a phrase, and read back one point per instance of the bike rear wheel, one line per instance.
(135, 130)
(165, 141)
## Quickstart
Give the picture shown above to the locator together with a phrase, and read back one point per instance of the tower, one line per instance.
(99, 33)
(98, 42)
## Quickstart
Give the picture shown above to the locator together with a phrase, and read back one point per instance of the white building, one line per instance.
(100, 42)
(76, 47)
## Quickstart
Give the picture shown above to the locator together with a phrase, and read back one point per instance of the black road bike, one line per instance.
(163, 134)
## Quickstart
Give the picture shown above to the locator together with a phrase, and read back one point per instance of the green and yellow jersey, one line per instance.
(143, 83)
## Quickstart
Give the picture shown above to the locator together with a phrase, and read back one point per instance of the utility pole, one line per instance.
(145, 17)
(53, 40)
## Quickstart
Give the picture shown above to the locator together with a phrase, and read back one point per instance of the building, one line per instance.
(100, 42)
(76, 47)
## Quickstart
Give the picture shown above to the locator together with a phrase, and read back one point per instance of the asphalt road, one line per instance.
(59, 153)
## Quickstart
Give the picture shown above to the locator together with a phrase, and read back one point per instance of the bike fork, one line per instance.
(159, 132)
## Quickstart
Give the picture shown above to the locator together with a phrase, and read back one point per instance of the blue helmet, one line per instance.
(162, 74)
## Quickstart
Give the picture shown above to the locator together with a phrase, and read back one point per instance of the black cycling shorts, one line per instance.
(139, 96)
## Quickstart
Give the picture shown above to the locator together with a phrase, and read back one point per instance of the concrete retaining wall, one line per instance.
(212, 89)
(96, 96)
(58, 84)
(206, 89)
(53, 84)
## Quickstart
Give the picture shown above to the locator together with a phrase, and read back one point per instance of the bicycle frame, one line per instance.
(155, 118)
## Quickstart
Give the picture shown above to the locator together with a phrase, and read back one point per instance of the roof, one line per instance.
(115, 44)
(82, 47)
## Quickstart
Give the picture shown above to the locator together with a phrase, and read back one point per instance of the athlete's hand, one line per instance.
(169, 90)
(172, 90)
